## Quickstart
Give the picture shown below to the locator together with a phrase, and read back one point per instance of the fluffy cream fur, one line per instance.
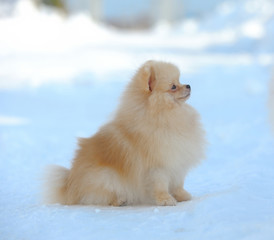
(143, 154)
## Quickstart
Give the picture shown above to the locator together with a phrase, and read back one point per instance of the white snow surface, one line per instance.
(61, 78)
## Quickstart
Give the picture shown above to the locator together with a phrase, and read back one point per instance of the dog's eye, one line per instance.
(173, 87)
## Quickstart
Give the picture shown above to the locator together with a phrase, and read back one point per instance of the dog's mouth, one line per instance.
(184, 97)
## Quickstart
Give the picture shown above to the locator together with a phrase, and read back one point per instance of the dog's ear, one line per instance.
(149, 76)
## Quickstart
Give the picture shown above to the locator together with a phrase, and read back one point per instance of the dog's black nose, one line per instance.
(188, 87)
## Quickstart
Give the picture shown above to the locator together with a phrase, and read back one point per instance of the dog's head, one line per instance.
(161, 80)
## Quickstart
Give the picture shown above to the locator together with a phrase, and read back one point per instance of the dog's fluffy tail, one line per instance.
(55, 185)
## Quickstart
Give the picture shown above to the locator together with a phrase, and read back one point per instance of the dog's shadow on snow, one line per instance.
(214, 194)
(188, 205)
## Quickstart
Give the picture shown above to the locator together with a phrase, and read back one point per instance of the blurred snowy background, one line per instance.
(63, 66)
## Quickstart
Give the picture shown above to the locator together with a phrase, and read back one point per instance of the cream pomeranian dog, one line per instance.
(143, 154)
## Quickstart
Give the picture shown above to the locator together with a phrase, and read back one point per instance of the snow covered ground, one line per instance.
(61, 78)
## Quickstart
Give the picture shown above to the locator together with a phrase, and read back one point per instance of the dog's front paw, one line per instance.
(165, 199)
(118, 202)
(181, 195)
